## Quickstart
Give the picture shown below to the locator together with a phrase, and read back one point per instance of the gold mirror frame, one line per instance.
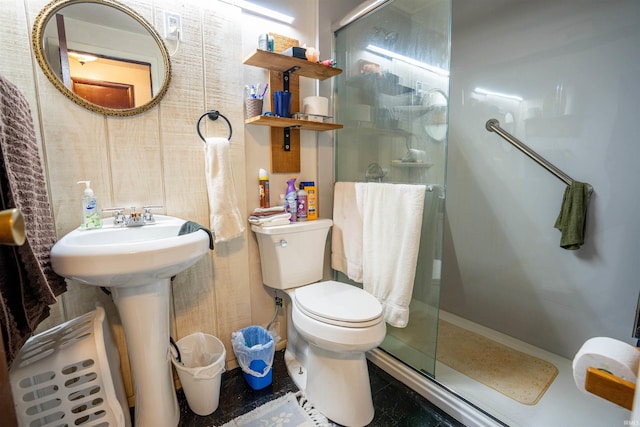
(37, 35)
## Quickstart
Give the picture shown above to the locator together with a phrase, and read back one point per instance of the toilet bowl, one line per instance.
(330, 324)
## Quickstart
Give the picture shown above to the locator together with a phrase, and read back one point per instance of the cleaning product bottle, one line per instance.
(302, 204)
(263, 177)
(291, 197)
(312, 199)
(90, 210)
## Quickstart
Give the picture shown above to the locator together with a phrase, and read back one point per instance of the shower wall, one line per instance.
(563, 78)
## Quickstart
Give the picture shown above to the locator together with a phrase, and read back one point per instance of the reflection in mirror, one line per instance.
(435, 119)
(102, 55)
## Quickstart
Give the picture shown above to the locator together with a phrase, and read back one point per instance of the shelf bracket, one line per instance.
(286, 76)
(287, 139)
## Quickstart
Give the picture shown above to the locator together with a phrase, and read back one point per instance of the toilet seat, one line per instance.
(338, 304)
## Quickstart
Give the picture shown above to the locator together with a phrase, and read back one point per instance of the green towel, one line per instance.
(191, 226)
(573, 214)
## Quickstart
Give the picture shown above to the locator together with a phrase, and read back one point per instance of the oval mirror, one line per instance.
(102, 55)
(435, 119)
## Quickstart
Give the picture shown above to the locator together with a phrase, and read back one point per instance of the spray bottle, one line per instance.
(302, 204)
(263, 177)
(292, 199)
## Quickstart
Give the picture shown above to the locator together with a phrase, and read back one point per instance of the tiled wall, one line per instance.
(157, 157)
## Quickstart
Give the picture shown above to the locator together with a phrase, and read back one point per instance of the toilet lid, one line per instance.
(339, 304)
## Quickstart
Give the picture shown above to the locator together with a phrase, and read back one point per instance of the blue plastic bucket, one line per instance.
(254, 348)
(258, 383)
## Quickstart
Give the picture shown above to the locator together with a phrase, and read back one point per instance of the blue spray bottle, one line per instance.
(292, 199)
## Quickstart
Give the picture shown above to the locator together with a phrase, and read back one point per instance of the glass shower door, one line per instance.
(393, 100)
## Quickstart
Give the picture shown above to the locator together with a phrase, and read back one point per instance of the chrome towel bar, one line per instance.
(493, 125)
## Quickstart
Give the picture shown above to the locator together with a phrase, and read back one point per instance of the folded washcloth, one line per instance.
(275, 217)
(191, 226)
(224, 214)
(272, 222)
(572, 218)
(265, 212)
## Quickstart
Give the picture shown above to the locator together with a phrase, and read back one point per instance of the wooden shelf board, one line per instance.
(278, 62)
(282, 122)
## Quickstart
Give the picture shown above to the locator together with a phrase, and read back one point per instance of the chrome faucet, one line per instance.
(134, 219)
(119, 220)
(147, 216)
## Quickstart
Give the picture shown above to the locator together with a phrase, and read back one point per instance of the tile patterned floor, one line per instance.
(395, 404)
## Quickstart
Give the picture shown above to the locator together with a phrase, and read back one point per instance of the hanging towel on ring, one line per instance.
(224, 215)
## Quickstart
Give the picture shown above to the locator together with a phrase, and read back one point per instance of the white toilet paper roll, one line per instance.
(619, 358)
(318, 105)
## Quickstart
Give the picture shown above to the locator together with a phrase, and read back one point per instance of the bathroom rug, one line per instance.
(520, 376)
(290, 410)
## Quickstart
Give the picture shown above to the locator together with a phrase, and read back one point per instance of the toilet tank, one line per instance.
(292, 255)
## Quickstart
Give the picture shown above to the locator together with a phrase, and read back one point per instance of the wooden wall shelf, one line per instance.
(283, 122)
(278, 62)
(284, 74)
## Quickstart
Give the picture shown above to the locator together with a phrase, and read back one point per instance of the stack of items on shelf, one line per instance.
(268, 217)
(295, 205)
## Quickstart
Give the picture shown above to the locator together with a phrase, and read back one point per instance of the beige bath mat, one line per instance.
(517, 375)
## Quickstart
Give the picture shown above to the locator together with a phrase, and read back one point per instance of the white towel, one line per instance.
(391, 224)
(224, 215)
(271, 220)
(346, 236)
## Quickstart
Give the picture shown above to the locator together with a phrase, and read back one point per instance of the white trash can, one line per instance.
(201, 365)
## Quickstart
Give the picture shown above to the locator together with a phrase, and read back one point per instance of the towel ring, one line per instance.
(213, 115)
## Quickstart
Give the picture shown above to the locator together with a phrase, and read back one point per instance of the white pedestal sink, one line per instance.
(137, 264)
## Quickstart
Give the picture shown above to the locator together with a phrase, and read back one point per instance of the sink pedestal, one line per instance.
(136, 263)
(144, 311)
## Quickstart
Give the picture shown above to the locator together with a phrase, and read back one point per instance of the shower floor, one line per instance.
(562, 404)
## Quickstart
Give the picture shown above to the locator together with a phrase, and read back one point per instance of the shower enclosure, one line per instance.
(393, 100)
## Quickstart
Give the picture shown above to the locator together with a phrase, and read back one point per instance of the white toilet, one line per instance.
(330, 324)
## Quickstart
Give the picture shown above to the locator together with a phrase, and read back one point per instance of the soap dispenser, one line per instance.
(90, 210)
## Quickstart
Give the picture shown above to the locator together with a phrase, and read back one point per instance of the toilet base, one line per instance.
(297, 372)
(336, 384)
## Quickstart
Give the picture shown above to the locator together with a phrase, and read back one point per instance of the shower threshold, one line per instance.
(423, 383)
(476, 405)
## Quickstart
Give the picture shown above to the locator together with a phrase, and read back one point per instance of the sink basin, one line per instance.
(116, 257)
(137, 264)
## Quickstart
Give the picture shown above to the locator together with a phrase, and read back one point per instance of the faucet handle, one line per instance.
(147, 215)
(119, 220)
(135, 219)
